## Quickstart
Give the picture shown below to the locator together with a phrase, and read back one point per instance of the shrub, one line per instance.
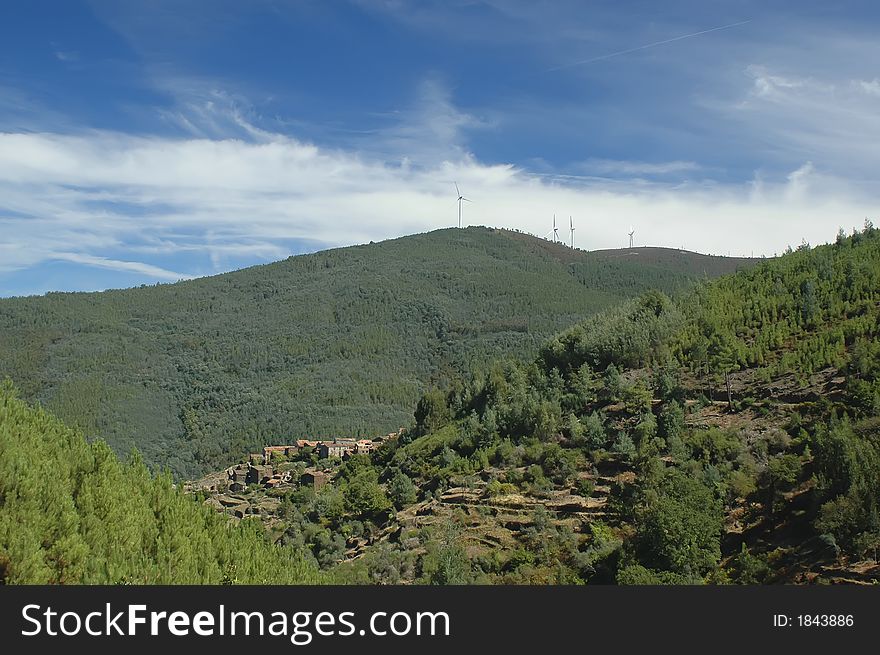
(498, 488)
(401, 490)
(750, 569)
(680, 530)
(743, 483)
(637, 574)
(584, 487)
(784, 470)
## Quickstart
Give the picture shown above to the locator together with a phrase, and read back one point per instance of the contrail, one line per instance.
(648, 45)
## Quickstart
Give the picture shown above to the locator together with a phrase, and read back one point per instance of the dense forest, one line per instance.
(339, 343)
(728, 435)
(73, 513)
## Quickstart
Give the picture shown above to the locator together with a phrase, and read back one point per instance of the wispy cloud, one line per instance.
(147, 270)
(204, 108)
(831, 121)
(431, 130)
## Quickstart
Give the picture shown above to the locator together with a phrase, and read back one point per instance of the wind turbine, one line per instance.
(631, 232)
(555, 231)
(460, 199)
(571, 230)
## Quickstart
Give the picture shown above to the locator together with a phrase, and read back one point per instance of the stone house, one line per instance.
(364, 446)
(334, 448)
(258, 474)
(314, 479)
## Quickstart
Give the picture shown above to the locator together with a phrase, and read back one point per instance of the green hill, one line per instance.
(338, 343)
(72, 513)
(731, 434)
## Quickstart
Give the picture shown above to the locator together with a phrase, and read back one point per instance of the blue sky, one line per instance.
(155, 141)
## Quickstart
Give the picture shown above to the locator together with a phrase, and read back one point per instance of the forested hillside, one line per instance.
(339, 343)
(729, 435)
(72, 513)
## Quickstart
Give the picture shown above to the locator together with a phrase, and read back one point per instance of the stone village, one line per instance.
(272, 469)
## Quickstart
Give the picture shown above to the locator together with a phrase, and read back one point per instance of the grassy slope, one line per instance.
(72, 513)
(339, 342)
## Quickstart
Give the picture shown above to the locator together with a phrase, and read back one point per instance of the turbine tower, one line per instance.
(461, 199)
(555, 231)
(571, 230)
(631, 232)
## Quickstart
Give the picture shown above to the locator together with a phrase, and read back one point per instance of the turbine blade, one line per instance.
(456, 189)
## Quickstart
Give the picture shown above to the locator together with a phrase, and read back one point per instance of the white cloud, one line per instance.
(871, 87)
(80, 197)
